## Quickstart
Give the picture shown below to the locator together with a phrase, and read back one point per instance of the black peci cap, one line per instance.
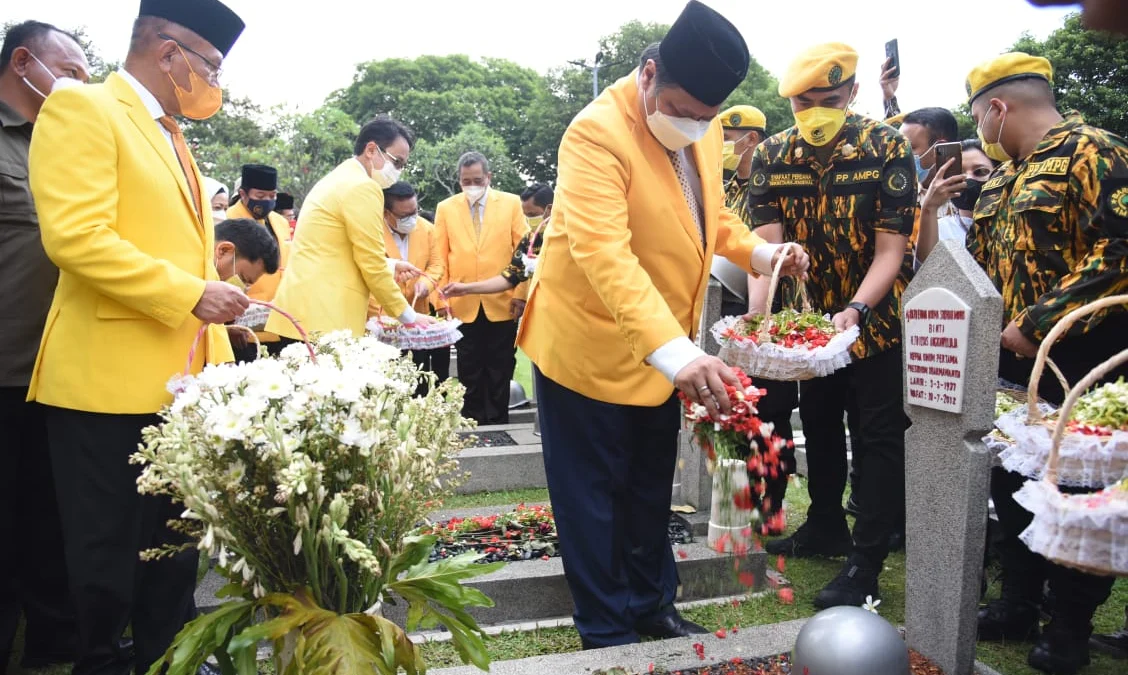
(259, 177)
(705, 54)
(210, 19)
(284, 201)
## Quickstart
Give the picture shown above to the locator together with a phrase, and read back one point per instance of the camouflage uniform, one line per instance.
(514, 273)
(836, 211)
(1051, 230)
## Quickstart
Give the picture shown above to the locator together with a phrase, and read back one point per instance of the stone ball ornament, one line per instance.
(849, 641)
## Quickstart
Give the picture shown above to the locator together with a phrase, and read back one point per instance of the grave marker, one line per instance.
(952, 322)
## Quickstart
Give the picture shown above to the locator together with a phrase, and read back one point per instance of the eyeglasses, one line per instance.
(396, 161)
(215, 72)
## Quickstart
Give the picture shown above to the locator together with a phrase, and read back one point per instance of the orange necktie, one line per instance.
(185, 159)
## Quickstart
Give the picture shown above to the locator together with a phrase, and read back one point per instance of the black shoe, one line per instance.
(667, 626)
(856, 581)
(897, 541)
(806, 543)
(852, 506)
(1115, 645)
(1008, 620)
(1062, 650)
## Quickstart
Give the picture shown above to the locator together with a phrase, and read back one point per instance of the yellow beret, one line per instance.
(821, 67)
(744, 117)
(1007, 68)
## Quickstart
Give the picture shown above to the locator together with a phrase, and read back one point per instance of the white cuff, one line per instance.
(392, 265)
(676, 354)
(762, 257)
(409, 316)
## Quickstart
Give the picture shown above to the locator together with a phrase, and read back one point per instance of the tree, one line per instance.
(1090, 72)
(965, 122)
(433, 169)
(310, 146)
(437, 95)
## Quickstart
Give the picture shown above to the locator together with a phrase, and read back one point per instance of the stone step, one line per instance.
(535, 590)
(512, 467)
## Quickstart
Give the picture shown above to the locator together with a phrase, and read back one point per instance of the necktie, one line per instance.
(184, 157)
(682, 170)
(476, 216)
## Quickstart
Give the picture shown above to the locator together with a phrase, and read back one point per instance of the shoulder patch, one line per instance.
(897, 182)
(1114, 210)
(758, 182)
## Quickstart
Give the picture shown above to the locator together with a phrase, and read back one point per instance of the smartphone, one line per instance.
(946, 152)
(891, 52)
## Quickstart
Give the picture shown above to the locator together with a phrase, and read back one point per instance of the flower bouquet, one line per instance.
(785, 346)
(303, 476)
(743, 451)
(1093, 451)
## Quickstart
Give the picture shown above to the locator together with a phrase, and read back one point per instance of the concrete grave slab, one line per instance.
(947, 467)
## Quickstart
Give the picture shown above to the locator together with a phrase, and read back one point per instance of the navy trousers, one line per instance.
(610, 472)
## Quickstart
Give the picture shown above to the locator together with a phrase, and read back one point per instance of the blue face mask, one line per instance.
(922, 172)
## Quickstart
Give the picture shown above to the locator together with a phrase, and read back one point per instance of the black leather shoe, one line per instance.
(1114, 644)
(669, 626)
(1062, 650)
(1008, 620)
(897, 541)
(808, 544)
(856, 581)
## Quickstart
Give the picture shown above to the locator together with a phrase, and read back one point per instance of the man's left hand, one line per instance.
(516, 308)
(1013, 340)
(796, 263)
(846, 319)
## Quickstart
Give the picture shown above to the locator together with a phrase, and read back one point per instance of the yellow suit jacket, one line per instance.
(118, 219)
(470, 258)
(338, 258)
(423, 252)
(623, 270)
(267, 285)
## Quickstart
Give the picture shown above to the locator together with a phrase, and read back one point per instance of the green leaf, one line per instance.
(435, 594)
(295, 611)
(204, 635)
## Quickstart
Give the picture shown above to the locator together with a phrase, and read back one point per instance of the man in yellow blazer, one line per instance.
(620, 283)
(123, 215)
(338, 258)
(410, 237)
(479, 229)
(258, 193)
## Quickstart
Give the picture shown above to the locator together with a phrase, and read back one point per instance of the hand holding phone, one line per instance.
(892, 60)
(946, 152)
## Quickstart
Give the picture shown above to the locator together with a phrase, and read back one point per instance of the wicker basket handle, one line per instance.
(204, 329)
(1075, 394)
(766, 324)
(1059, 329)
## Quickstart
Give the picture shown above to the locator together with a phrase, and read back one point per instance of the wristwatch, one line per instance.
(862, 309)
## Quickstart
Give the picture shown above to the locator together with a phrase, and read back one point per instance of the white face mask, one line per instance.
(406, 225)
(474, 193)
(219, 216)
(674, 133)
(31, 86)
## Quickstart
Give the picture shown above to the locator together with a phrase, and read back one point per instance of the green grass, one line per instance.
(806, 577)
(502, 498)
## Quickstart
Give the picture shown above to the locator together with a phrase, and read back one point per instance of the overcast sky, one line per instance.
(295, 52)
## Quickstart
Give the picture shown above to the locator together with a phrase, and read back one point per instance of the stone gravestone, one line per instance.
(692, 483)
(952, 318)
